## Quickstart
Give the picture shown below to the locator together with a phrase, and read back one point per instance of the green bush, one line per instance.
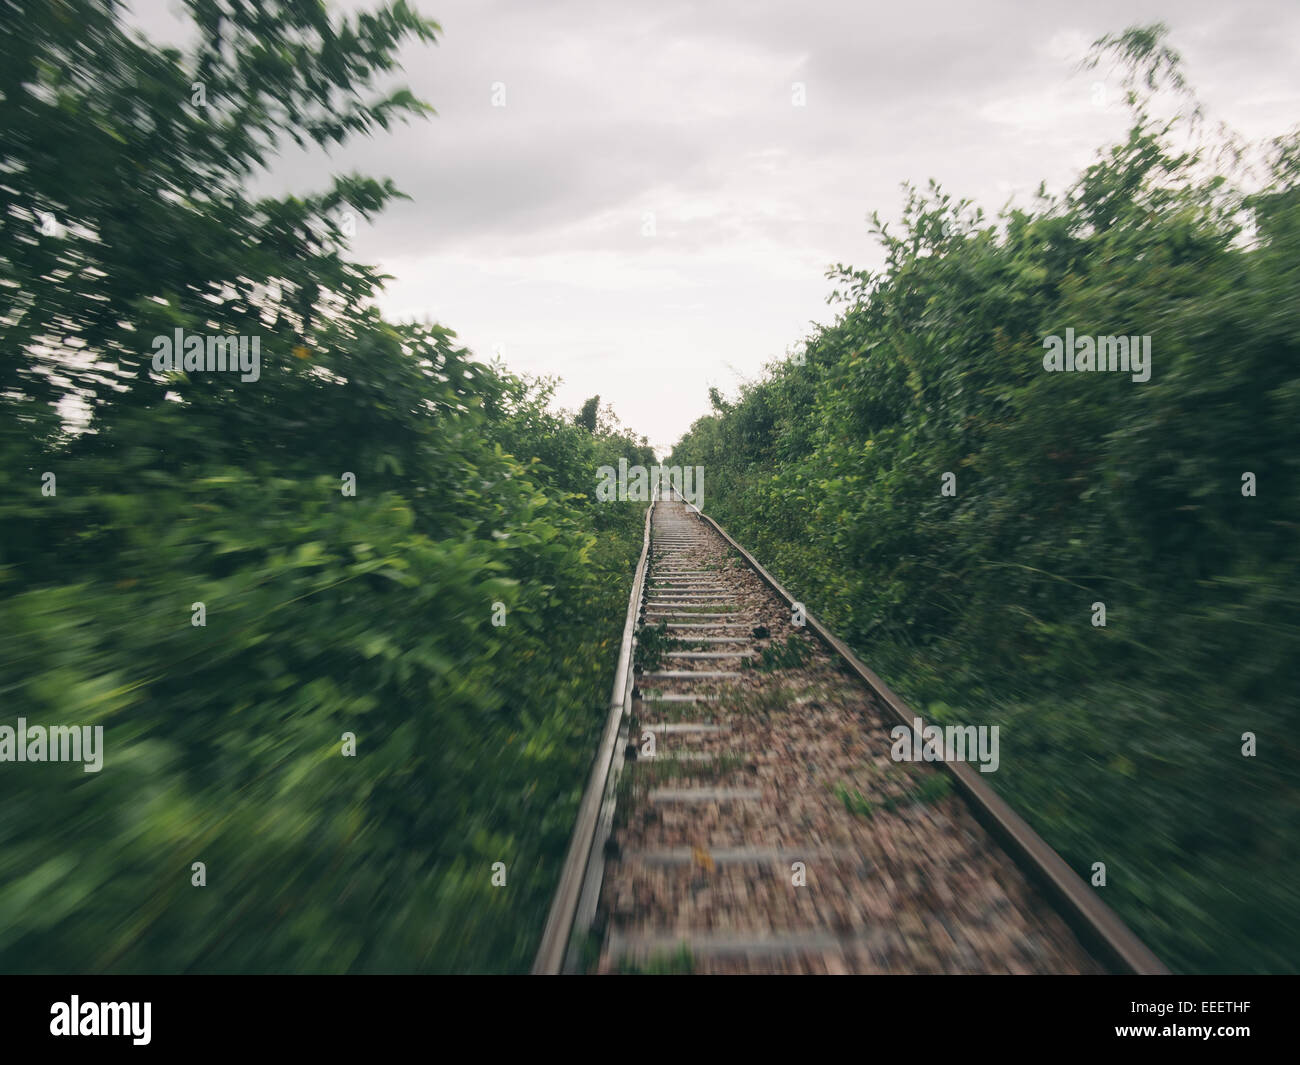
(327, 613)
(1121, 744)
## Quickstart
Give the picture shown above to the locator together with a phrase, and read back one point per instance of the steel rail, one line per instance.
(1097, 925)
(578, 890)
(573, 909)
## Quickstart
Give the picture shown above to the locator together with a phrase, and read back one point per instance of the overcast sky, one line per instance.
(528, 227)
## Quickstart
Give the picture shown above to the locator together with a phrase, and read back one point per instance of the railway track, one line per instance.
(744, 813)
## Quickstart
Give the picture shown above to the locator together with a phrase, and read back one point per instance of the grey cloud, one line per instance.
(683, 108)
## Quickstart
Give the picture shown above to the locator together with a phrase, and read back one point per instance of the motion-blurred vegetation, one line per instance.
(124, 213)
(1121, 744)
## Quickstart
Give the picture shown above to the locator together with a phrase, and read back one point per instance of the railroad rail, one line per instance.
(744, 813)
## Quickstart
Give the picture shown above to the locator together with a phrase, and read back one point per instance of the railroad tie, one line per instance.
(690, 674)
(766, 838)
(705, 795)
(685, 727)
(753, 946)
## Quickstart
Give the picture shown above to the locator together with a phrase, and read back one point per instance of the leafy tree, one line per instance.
(587, 415)
(1072, 489)
(456, 615)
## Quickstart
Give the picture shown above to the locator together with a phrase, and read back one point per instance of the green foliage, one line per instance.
(790, 655)
(651, 643)
(98, 129)
(586, 417)
(326, 613)
(854, 801)
(1120, 743)
(680, 962)
(930, 788)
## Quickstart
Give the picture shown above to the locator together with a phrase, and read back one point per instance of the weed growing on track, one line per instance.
(928, 789)
(664, 767)
(678, 962)
(651, 643)
(793, 654)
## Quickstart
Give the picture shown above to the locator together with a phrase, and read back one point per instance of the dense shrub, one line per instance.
(1121, 744)
(326, 613)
